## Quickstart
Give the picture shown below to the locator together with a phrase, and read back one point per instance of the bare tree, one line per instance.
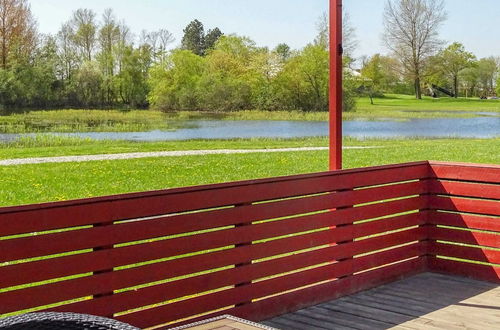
(67, 54)
(159, 42)
(412, 34)
(349, 41)
(125, 40)
(17, 30)
(109, 35)
(85, 29)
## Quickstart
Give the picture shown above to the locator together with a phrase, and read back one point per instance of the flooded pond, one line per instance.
(479, 127)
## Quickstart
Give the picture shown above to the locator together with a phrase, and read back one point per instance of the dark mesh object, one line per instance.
(69, 321)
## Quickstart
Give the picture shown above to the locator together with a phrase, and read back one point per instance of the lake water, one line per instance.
(479, 127)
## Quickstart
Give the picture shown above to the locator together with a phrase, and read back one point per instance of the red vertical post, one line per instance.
(336, 52)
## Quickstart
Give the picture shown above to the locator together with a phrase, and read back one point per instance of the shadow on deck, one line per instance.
(424, 301)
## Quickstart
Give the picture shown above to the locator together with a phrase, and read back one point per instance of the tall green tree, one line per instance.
(469, 78)
(304, 80)
(228, 80)
(452, 60)
(487, 70)
(108, 37)
(211, 39)
(284, 51)
(87, 84)
(131, 81)
(174, 83)
(373, 75)
(194, 38)
(43, 83)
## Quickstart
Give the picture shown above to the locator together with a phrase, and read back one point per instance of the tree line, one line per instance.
(88, 63)
(97, 62)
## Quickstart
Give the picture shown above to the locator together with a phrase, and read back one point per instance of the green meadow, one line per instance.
(26, 184)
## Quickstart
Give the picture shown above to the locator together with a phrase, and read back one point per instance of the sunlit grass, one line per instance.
(54, 182)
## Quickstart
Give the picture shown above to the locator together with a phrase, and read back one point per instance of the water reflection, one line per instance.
(480, 127)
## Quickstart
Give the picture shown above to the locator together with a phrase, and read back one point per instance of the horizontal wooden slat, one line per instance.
(263, 190)
(47, 269)
(16, 220)
(65, 266)
(14, 275)
(35, 246)
(466, 189)
(237, 295)
(142, 297)
(464, 221)
(481, 272)
(177, 246)
(105, 282)
(464, 252)
(466, 237)
(486, 207)
(466, 172)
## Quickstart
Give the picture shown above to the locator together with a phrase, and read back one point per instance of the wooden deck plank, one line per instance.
(314, 322)
(419, 299)
(452, 280)
(282, 323)
(368, 312)
(385, 304)
(425, 301)
(355, 321)
(393, 298)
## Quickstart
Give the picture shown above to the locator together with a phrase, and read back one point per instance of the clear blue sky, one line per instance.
(473, 22)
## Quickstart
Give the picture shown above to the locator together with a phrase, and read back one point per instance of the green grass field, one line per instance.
(398, 102)
(28, 184)
(52, 182)
(395, 107)
(49, 146)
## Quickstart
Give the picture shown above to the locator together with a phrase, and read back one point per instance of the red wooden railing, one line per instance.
(253, 249)
(465, 220)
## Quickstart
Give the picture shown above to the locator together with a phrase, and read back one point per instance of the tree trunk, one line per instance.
(4, 53)
(418, 89)
(455, 85)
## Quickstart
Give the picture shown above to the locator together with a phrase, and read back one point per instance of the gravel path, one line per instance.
(136, 155)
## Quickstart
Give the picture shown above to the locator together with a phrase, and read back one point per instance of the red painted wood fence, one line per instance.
(464, 214)
(253, 249)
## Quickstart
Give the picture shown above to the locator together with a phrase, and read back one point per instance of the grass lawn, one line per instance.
(396, 102)
(53, 182)
(396, 107)
(58, 146)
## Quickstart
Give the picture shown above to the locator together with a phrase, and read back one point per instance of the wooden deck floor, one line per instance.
(425, 301)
